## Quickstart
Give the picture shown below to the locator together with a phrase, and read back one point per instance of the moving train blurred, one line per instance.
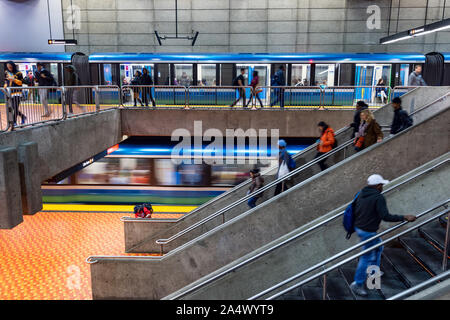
(141, 169)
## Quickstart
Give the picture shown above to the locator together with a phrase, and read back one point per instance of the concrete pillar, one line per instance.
(30, 178)
(10, 196)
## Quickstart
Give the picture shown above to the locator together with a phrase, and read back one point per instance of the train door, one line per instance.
(404, 74)
(368, 75)
(263, 74)
(127, 71)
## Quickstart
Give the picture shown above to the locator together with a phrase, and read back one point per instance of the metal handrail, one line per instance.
(407, 292)
(303, 233)
(346, 251)
(259, 191)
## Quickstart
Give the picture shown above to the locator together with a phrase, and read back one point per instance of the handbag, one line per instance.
(359, 141)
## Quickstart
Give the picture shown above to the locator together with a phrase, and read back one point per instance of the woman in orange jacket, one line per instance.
(326, 142)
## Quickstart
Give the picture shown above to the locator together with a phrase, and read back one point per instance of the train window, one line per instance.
(324, 74)
(404, 74)
(54, 71)
(183, 74)
(206, 74)
(369, 75)
(301, 75)
(107, 73)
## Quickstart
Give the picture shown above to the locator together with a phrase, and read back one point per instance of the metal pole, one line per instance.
(446, 245)
(176, 18)
(324, 294)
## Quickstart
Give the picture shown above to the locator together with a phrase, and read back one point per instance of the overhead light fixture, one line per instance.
(67, 42)
(417, 32)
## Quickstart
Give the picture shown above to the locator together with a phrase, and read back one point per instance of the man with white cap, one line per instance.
(369, 210)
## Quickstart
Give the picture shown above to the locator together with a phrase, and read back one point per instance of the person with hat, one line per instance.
(369, 210)
(257, 183)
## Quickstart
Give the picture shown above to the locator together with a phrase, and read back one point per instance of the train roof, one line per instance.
(22, 57)
(117, 57)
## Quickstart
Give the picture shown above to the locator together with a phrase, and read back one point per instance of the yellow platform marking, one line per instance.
(113, 208)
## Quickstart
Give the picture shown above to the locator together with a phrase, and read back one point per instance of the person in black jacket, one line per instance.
(257, 183)
(360, 106)
(44, 79)
(401, 119)
(146, 80)
(369, 210)
(136, 82)
(13, 79)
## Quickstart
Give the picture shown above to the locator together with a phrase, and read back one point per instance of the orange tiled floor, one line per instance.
(40, 258)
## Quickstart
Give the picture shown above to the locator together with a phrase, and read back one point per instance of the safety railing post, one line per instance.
(63, 103)
(187, 94)
(446, 245)
(97, 98)
(324, 291)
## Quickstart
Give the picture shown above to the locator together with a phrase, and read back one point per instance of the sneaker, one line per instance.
(358, 289)
(24, 118)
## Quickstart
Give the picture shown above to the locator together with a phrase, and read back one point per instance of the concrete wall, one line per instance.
(413, 197)
(255, 25)
(143, 278)
(25, 26)
(141, 236)
(290, 123)
(64, 144)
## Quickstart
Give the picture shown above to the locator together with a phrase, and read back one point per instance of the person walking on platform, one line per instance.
(369, 210)
(381, 91)
(279, 80)
(44, 79)
(285, 165)
(14, 79)
(415, 78)
(146, 80)
(360, 106)
(369, 131)
(72, 93)
(239, 81)
(257, 183)
(325, 143)
(255, 90)
(401, 119)
(136, 81)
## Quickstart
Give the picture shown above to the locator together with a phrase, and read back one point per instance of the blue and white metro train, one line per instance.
(219, 69)
(141, 169)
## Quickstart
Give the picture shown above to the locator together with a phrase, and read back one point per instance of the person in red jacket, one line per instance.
(325, 143)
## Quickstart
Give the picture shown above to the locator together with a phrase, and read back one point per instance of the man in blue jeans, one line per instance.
(369, 210)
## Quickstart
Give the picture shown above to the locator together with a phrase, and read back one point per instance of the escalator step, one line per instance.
(406, 266)
(349, 273)
(443, 220)
(337, 289)
(429, 257)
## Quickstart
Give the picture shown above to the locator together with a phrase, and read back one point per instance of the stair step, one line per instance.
(429, 257)
(407, 267)
(435, 233)
(349, 273)
(312, 293)
(337, 288)
(443, 220)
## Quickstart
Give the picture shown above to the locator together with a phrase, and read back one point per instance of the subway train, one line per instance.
(219, 69)
(140, 169)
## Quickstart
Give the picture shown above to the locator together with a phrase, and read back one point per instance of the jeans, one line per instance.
(252, 202)
(44, 101)
(279, 97)
(321, 163)
(372, 258)
(241, 96)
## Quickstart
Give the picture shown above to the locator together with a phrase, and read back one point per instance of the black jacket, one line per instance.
(400, 122)
(48, 81)
(146, 80)
(370, 208)
(257, 183)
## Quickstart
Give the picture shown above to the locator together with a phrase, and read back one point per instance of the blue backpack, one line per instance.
(349, 218)
(291, 164)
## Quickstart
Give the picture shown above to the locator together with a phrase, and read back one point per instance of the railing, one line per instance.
(301, 234)
(4, 121)
(351, 258)
(26, 106)
(420, 286)
(274, 183)
(220, 96)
